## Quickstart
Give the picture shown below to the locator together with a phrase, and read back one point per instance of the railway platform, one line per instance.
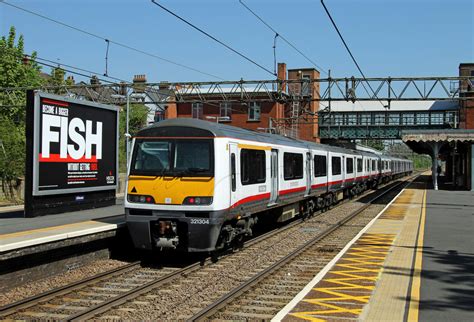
(17, 232)
(34, 248)
(414, 262)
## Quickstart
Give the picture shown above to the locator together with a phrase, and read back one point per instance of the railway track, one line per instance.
(121, 292)
(263, 295)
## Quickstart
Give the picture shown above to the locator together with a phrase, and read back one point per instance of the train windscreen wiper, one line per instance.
(197, 170)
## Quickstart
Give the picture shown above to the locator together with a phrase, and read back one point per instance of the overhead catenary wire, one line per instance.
(350, 53)
(213, 38)
(39, 59)
(110, 40)
(283, 38)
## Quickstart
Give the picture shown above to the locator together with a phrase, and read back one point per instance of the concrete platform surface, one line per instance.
(19, 232)
(413, 263)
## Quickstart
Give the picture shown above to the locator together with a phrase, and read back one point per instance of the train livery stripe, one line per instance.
(319, 185)
(293, 190)
(250, 199)
(254, 147)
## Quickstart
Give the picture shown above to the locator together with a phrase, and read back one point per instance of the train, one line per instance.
(199, 186)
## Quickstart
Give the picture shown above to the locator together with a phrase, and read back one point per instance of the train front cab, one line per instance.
(172, 194)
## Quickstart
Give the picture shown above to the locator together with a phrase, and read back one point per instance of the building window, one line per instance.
(252, 166)
(292, 166)
(365, 119)
(254, 111)
(197, 110)
(336, 166)
(350, 119)
(159, 116)
(225, 111)
(437, 118)
(350, 165)
(394, 119)
(422, 118)
(320, 166)
(379, 119)
(306, 85)
(408, 118)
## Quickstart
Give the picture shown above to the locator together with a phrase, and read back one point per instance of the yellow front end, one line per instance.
(169, 190)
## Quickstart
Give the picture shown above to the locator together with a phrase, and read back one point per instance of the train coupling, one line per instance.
(167, 236)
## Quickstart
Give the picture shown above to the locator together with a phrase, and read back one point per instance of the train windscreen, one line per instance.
(173, 157)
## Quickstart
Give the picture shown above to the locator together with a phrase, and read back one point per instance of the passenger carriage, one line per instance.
(198, 186)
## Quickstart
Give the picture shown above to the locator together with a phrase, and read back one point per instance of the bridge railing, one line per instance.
(380, 124)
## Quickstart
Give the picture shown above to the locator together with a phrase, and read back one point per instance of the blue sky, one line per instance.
(388, 37)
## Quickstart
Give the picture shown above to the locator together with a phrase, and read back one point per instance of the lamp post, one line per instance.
(126, 134)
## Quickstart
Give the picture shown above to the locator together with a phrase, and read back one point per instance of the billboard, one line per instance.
(75, 145)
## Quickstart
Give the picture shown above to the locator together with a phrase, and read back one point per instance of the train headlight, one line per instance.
(140, 199)
(198, 201)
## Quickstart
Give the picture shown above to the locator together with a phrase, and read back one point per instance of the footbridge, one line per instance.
(372, 120)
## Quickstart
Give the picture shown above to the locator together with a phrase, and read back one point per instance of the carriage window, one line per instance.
(359, 165)
(252, 166)
(373, 165)
(336, 166)
(292, 166)
(232, 172)
(350, 165)
(320, 166)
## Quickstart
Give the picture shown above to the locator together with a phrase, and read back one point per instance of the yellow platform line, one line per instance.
(52, 228)
(413, 310)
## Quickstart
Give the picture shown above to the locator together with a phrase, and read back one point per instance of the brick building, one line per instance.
(466, 111)
(263, 113)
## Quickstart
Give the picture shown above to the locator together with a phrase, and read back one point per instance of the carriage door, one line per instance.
(274, 176)
(233, 150)
(308, 173)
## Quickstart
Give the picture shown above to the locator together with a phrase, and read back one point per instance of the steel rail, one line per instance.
(122, 298)
(224, 300)
(35, 299)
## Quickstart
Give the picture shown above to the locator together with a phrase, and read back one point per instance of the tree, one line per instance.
(16, 70)
(420, 161)
(137, 120)
(375, 144)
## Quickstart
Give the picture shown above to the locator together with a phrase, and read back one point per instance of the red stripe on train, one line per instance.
(251, 198)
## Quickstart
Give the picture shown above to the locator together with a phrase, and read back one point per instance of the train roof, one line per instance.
(222, 130)
(206, 128)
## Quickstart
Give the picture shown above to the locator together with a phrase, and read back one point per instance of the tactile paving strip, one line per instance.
(347, 287)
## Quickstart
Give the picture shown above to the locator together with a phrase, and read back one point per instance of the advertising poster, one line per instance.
(75, 145)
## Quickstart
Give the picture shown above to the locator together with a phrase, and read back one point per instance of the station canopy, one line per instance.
(421, 141)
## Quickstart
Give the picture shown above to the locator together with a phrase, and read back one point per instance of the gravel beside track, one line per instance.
(68, 303)
(184, 294)
(46, 284)
(189, 294)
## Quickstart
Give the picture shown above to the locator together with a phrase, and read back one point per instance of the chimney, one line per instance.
(123, 88)
(26, 60)
(70, 80)
(139, 82)
(95, 80)
(281, 75)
